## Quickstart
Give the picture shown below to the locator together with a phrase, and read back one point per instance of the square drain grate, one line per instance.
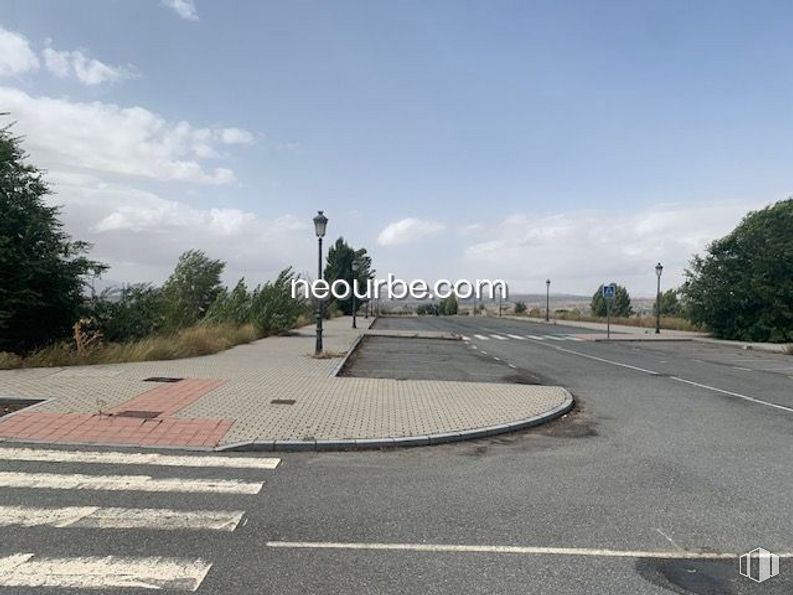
(162, 379)
(283, 401)
(139, 414)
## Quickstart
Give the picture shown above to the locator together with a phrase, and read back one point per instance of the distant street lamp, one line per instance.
(500, 296)
(354, 267)
(320, 224)
(658, 270)
(547, 300)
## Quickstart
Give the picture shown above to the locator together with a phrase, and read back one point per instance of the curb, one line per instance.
(394, 442)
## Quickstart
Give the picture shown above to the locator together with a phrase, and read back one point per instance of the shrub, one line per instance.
(520, 308)
(130, 312)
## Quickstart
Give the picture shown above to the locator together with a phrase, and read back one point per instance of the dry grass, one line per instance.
(329, 354)
(190, 342)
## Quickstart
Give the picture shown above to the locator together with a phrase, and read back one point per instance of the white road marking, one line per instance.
(555, 337)
(141, 483)
(512, 366)
(517, 337)
(574, 338)
(606, 361)
(742, 369)
(498, 359)
(474, 347)
(25, 570)
(121, 518)
(466, 338)
(124, 458)
(511, 549)
(536, 337)
(732, 394)
(484, 352)
(499, 337)
(482, 337)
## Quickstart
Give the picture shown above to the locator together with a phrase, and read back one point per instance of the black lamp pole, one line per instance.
(547, 300)
(320, 224)
(354, 267)
(658, 270)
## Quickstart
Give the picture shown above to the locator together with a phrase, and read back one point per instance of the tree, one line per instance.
(339, 266)
(620, 305)
(273, 309)
(670, 304)
(448, 306)
(131, 312)
(232, 307)
(743, 287)
(42, 271)
(192, 287)
(520, 307)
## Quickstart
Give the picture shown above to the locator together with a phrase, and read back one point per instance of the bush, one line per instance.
(191, 289)
(427, 310)
(520, 307)
(273, 309)
(448, 306)
(131, 312)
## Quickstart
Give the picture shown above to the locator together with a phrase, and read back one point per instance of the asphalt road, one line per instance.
(675, 447)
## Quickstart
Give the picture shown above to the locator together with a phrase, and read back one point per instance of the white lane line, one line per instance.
(26, 570)
(499, 337)
(732, 394)
(95, 517)
(140, 483)
(517, 337)
(536, 337)
(511, 549)
(124, 458)
(482, 337)
(742, 369)
(606, 361)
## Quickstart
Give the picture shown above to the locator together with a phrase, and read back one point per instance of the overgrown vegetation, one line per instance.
(46, 318)
(620, 306)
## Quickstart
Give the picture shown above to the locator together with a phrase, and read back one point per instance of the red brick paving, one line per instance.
(109, 428)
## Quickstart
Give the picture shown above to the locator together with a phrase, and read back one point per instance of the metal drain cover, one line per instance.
(162, 379)
(139, 414)
(283, 401)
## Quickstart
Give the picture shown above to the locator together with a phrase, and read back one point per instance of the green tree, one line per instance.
(339, 266)
(670, 303)
(520, 307)
(234, 306)
(192, 287)
(743, 287)
(42, 271)
(620, 305)
(448, 306)
(130, 312)
(273, 309)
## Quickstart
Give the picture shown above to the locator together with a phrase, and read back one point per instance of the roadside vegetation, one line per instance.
(48, 317)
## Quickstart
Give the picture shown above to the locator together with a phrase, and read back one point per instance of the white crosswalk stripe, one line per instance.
(120, 518)
(141, 483)
(28, 570)
(517, 337)
(499, 337)
(35, 568)
(482, 337)
(466, 338)
(124, 458)
(555, 337)
(536, 337)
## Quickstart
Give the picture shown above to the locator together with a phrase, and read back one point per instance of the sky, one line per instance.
(577, 141)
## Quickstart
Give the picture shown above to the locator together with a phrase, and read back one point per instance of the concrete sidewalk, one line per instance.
(271, 394)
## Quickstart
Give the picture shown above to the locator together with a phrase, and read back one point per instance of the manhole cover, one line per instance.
(162, 379)
(139, 414)
(283, 401)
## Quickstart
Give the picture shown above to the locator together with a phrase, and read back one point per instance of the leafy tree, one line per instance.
(191, 289)
(273, 309)
(232, 307)
(620, 305)
(669, 303)
(520, 307)
(131, 312)
(42, 271)
(743, 287)
(448, 306)
(427, 310)
(339, 266)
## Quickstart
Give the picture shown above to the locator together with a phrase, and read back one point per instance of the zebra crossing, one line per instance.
(92, 573)
(508, 337)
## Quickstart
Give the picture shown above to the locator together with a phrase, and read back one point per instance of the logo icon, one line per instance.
(759, 565)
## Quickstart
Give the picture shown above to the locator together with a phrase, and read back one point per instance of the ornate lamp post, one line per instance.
(547, 300)
(354, 267)
(658, 270)
(320, 225)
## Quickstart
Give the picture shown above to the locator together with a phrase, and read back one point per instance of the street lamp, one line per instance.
(547, 300)
(658, 270)
(320, 224)
(354, 267)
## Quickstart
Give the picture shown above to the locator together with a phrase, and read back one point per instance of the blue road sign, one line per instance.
(609, 291)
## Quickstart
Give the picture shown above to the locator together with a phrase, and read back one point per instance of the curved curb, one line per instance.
(380, 443)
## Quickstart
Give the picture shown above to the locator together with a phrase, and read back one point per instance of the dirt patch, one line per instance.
(8, 406)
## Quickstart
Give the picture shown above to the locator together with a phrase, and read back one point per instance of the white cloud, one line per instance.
(580, 250)
(107, 138)
(89, 71)
(408, 230)
(236, 136)
(184, 8)
(16, 55)
(141, 234)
